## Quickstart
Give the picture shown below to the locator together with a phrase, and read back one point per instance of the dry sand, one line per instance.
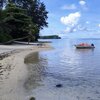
(13, 71)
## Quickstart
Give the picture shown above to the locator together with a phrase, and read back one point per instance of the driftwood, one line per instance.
(29, 36)
(12, 41)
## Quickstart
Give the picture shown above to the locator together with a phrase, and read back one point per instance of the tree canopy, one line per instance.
(19, 18)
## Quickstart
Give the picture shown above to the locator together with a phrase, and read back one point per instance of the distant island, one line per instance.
(50, 37)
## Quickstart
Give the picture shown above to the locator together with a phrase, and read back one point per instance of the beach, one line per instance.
(35, 71)
(13, 70)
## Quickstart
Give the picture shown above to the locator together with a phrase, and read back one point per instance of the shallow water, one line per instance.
(77, 70)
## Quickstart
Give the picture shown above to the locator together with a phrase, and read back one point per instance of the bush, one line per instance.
(4, 37)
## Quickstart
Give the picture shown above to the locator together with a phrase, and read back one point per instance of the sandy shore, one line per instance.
(13, 71)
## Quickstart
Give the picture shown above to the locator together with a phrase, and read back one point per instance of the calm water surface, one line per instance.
(78, 70)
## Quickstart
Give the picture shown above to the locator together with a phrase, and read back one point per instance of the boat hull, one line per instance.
(84, 47)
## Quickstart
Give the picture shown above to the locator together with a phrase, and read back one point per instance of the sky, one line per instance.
(73, 18)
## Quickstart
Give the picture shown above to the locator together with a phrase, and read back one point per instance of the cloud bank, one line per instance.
(72, 19)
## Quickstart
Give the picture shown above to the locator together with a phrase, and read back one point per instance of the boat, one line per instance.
(85, 46)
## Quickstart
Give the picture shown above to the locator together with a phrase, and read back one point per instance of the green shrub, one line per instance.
(4, 37)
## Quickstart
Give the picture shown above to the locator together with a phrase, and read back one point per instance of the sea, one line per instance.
(76, 70)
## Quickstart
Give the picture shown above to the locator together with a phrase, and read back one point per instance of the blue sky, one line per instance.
(73, 18)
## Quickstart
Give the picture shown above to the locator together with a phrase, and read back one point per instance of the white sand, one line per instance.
(13, 71)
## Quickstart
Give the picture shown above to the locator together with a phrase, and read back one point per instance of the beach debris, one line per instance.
(0, 65)
(3, 55)
(59, 85)
(6, 54)
(32, 98)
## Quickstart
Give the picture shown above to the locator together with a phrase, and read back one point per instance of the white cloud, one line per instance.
(82, 28)
(82, 2)
(83, 5)
(72, 19)
(99, 25)
(68, 29)
(87, 22)
(69, 7)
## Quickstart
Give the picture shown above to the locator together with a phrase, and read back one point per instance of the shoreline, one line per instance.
(13, 72)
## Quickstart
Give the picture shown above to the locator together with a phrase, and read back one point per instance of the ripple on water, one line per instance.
(77, 70)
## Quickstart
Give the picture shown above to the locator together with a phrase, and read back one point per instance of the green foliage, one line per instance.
(4, 28)
(4, 37)
(22, 18)
(38, 13)
(17, 20)
(35, 9)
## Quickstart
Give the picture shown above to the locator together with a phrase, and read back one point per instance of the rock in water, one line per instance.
(59, 85)
(32, 98)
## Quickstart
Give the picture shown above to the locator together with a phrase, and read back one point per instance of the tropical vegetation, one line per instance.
(50, 37)
(21, 20)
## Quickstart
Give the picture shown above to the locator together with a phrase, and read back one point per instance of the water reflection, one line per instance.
(76, 69)
(32, 58)
(84, 50)
(36, 66)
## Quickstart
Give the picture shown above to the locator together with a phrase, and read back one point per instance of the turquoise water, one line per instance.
(78, 70)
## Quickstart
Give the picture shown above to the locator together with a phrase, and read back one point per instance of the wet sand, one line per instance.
(13, 71)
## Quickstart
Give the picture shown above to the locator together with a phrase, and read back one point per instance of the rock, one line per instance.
(59, 85)
(32, 98)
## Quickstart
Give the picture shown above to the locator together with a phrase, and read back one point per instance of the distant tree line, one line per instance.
(22, 19)
(50, 37)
